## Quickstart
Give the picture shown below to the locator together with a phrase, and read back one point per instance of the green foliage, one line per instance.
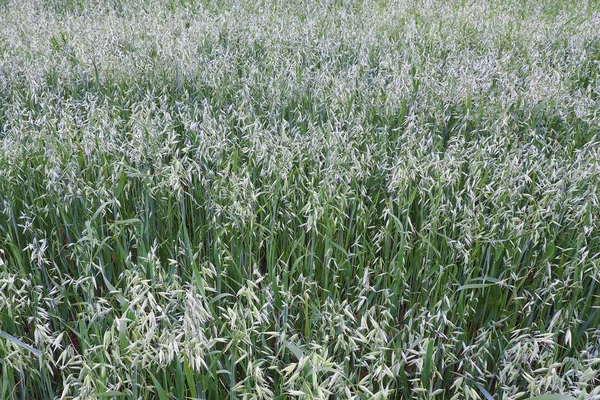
(552, 397)
(339, 199)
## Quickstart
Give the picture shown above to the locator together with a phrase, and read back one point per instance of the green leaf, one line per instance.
(427, 372)
(189, 376)
(297, 351)
(111, 394)
(162, 395)
(19, 343)
(126, 221)
(485, 393)
(474, 286)
(8, 323)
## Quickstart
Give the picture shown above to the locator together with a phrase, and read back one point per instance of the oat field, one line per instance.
(312, 199)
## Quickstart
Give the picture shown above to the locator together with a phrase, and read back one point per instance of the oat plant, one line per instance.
(338, 199)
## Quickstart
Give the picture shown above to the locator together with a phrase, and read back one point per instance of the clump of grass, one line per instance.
(314, 200)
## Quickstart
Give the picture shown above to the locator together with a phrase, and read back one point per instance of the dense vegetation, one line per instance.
(315, 199)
